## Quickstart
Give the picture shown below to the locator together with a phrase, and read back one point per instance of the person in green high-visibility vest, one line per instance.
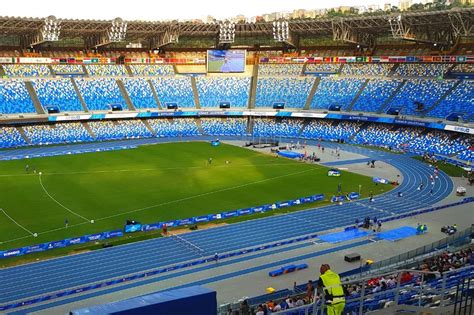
(330, 282)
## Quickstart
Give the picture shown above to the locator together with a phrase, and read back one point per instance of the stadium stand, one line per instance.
(124, 129)
(224, 127)
(463, 68)
(460, 100)
(184, 127)
(366, 69)
(273, 128)
(100, 93)
(23, 70)
(289, 69)
(58, 92)
(11, 138)
(382, 135)
(152, 70)
(213, 90)
(67, 69)
(106, 70)
(140, 92)
(438, 142)
(57, 133)
(14, 98)
(421, 69)
(322, 68)
(292, 91)
(423, 91)
(336, 91)
(467, 155)
(174, 90)
(329, 130)
(375, 94)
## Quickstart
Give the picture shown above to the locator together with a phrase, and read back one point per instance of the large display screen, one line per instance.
(225, 60)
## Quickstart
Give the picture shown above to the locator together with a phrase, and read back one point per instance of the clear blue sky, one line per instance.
(163, 9)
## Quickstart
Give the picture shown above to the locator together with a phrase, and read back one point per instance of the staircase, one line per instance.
(392, 71)
(83, 103)
(23, 134)
(88, 128)
(195, 93)
(303, 69)
(383, 108)
(305, 123)
(250, 125)
(199, 125)
(438, 101)
(2, 71)
(36, 102)
(253, 87)
(51, 70)
(145, 122)
(125, 95)
(84, 69)
(155, 95)
(129, 71)
(311, 93)
(351, 105)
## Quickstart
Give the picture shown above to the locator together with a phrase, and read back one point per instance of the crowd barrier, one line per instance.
(156, 226)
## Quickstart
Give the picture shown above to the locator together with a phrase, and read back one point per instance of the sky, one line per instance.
(153, 10)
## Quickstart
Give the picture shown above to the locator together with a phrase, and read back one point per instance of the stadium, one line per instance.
(219, 167)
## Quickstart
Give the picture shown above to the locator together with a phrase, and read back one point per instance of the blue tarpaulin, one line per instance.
(290, 154)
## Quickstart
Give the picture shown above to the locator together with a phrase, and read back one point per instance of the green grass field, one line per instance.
(149, 184)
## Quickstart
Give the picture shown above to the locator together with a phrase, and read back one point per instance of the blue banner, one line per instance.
(338, 198)
(151, 227)
(380, 180)
(353, 195)
(202, 218)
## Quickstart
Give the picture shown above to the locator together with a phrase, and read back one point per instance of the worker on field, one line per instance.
(330, 282)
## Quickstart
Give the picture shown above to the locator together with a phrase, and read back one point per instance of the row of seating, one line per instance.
(273, 128)
(336, 91)
(421, 69)
(288, 69)
(224, 127)
(293, 92)
(67, 69)
(58, 92)
(460, 100)
(152, 70)
(10, 137)
(213, 90)
(107, 70)
(369, 69)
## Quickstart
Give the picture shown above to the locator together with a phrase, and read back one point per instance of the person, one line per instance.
(420, 187)
(27, 168)
(216, 257)
(165, 229)
(209, 161)
(400, 194)
(310, 290)
(66, 223)
(356, 223)
(330, 282)
(379, 226)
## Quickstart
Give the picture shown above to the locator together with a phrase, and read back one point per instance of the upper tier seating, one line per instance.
(213, 90)
(107, 70)
(57, 133)
(375, 94)
(292, 91)
(425, 91)
(10, 137)
(224, 127)
(421, 69)
(272, 128)
(336, 91)
(467, 155)
(59, 69)
(288, 69)
(22, 70)
(152, 70)
(59, 92)
(460, 100)
(322, 67)
(174, 90)
(367, 69)
(438, 142)
(125, 129)
(140, 92)
(100, 93)
(14, 98)
(330, 131)
(185, 127)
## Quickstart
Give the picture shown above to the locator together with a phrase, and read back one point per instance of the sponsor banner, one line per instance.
(151, 227)
(69, 117)
(34, 249)
(169, 223)
(284, 114)
(94, 237)
(380, 180)
(248, 113)
(338, 198)
(121, 115)
(309, 115)
(12, 253)
(202, 218)
(245, 211)
(75, 240)
(7, 60)
(353, 196)
(283, 204)
(56, 244)
(185, 221)
(410, 122)
(229, 214)
(333, 172)
(459, 129)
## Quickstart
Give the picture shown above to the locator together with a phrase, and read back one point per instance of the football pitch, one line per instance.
(148, 184)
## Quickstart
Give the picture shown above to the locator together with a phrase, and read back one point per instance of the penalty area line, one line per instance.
(60, 204)
(18, 224)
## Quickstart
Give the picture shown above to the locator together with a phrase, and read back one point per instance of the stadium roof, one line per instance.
(430, 26)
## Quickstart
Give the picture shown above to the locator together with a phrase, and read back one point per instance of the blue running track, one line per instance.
(58, 274)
